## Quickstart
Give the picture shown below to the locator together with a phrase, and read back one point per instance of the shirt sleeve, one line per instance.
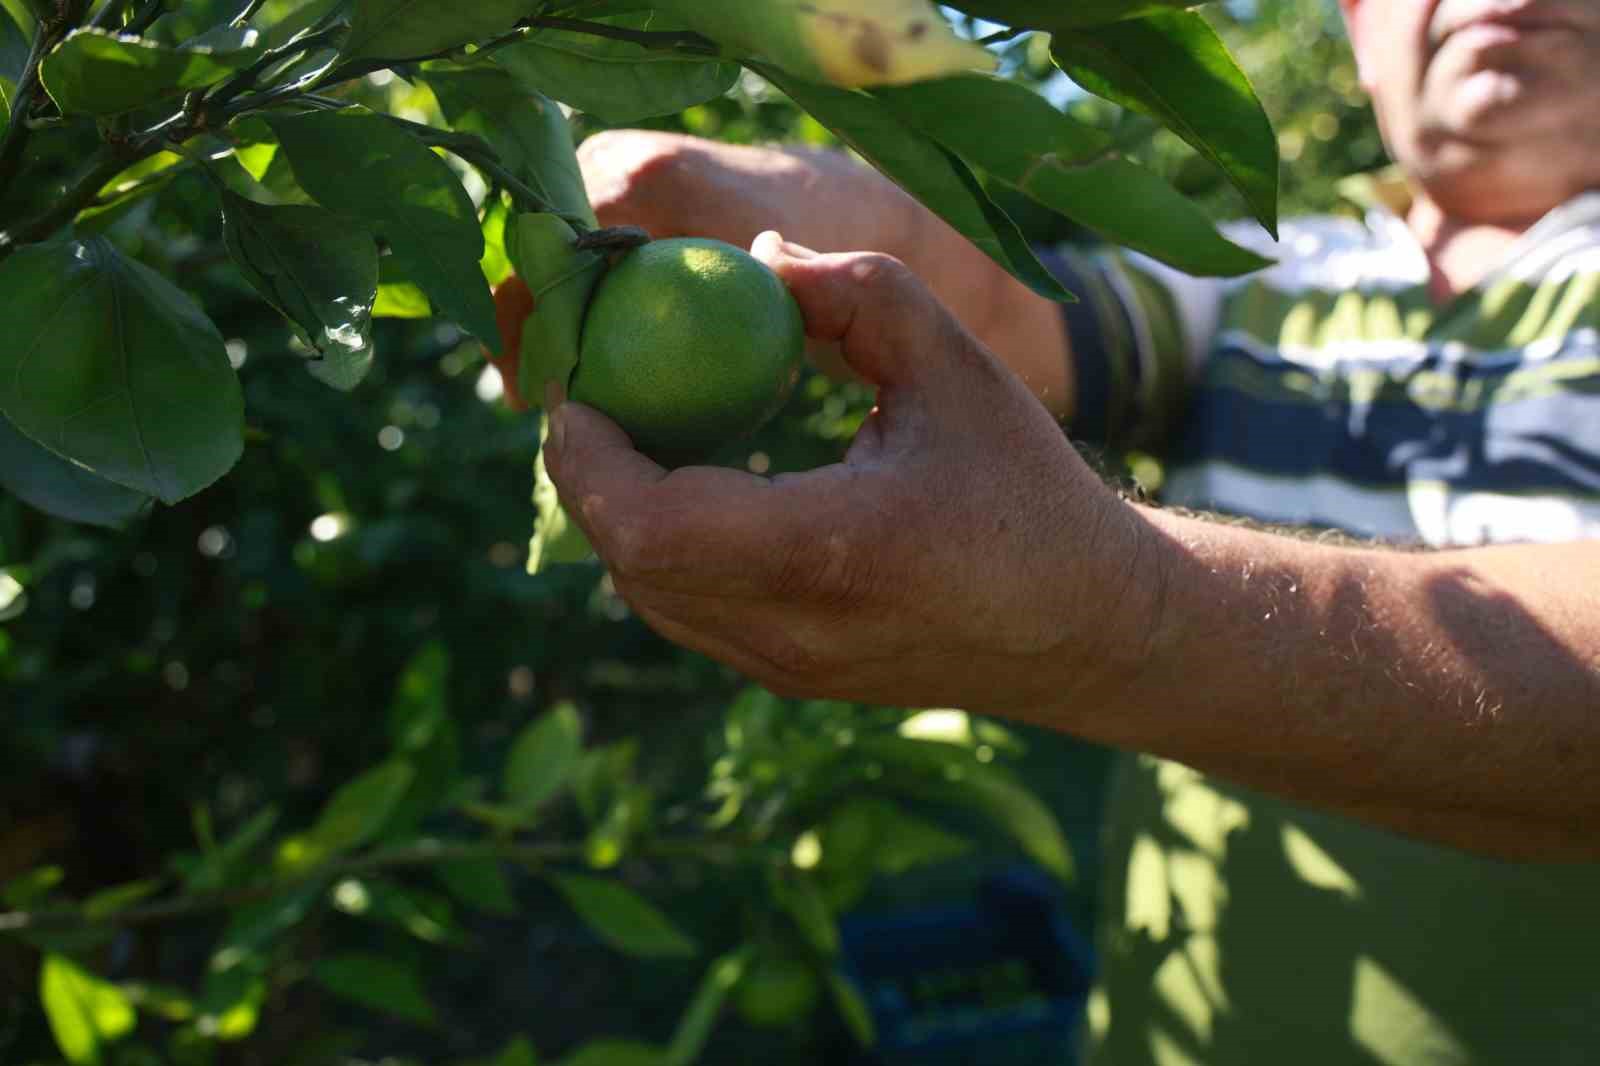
(1139, 333)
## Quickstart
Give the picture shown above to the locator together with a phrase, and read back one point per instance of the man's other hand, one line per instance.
(678, 186)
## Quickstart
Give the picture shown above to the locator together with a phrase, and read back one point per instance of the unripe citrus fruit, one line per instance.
(775, 992)
(689, 344)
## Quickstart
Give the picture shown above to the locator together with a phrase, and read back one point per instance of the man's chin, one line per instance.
(1490, 183)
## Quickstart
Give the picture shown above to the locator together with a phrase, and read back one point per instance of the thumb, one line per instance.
(591, 459)
(891, 328)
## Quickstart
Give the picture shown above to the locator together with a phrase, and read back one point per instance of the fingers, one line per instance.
(890, 327)
(710, 530)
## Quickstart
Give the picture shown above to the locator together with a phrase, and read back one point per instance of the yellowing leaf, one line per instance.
(852, 43)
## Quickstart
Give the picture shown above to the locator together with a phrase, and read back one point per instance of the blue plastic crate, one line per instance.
(1000, 980)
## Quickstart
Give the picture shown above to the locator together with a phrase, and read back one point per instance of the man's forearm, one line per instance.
(1453, 695)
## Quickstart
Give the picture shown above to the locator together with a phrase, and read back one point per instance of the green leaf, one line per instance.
(13, 58)
(297, 20)
(230, 1005)
(84, 1012)
(224, 865)
(479, 883)
(254, 926)
(398, 295)
(694, 1027)
(925, 169)
(413, 29)
(358, 810)
(43, 480)
(630, 813)
(377, 982)
(436, 772)
(93, 72)
(616, 1053)
(1173, 67)
(1054, 16)
(959, 113)
(502, 818)
(425, 915)
(853, 1009)
(622, 918)
(163, 1001)
(31, 888)
(238, 851)
(556, 538)
(320, 271)
(118, 370)
(417, 710)
(542, 757)
(526, 129)
(1061, 164)
(362, 165)
(948, 774)
(617, 81)
(109, 901)
(602, 774)
(797, 893)
(518, 1052)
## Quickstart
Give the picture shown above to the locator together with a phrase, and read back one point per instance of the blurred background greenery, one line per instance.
(243, 648)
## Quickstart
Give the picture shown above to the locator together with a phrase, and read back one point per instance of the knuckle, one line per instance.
(875, 270)
(788, 666)
(832, 569)
(623, 543)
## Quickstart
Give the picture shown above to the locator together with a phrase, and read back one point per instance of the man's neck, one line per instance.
(1460, 251)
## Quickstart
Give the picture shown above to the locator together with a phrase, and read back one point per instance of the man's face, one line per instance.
(1493, 105)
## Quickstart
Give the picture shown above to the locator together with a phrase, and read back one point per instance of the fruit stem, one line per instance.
(613, 239)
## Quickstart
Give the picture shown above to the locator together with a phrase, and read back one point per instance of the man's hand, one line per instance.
(961, 554)
(674, 186)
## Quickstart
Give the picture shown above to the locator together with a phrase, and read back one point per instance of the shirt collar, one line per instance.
(1385, 195)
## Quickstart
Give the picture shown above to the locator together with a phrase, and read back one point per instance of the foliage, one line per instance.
(310, 741)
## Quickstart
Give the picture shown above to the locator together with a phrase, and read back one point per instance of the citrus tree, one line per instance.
(168, 169)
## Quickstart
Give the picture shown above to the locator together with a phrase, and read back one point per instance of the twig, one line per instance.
(247, 14)
(246, 78)
(103, 18)
(614, 239)
(481, 154)
(142, 19)
(661, 40)
(18, 127)
(423, 853)
(83, 192)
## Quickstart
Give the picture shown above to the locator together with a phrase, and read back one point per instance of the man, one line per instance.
(1405, 743)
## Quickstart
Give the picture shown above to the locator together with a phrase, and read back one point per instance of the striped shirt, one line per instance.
(1329, 390)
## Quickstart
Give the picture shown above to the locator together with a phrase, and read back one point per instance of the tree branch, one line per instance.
(247, 14)
(18, 127)
(246, 78)
(660, 40)
(422, 853)
(481, 154)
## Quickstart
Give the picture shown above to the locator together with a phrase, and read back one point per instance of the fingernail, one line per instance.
(798, 251)
(766, 244)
